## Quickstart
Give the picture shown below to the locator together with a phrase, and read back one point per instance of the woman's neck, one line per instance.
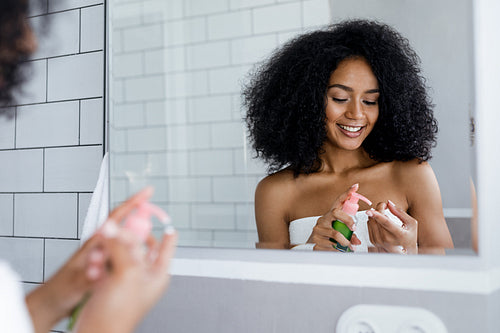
(337, 160)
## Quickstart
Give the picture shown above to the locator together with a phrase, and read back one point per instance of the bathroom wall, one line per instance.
(176, 116)
(245, 306)
(51, 150)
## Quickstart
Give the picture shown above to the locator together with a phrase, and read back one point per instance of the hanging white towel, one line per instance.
(98, 209)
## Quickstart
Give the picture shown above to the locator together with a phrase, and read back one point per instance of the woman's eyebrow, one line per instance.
(341, 86)
(349, 89)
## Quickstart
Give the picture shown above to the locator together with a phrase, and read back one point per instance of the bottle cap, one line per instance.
(351, 204)
(140, 223)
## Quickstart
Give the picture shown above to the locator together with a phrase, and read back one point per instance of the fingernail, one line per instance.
(109, 229)
(169, 229)
(167, 219)
(355, 185)
(391, 203)
(148, 189)
(96, 256)
(153, 255)
(93, 273)
(138, 253)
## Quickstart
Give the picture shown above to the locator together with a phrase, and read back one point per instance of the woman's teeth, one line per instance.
(350, 128)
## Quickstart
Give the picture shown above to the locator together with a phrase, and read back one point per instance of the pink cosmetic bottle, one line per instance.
(139, 222)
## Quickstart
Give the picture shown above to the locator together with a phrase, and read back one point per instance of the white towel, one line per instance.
(98, 209)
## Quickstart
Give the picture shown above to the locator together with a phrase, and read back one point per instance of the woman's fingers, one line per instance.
(374, 232)
(166, 250)
(385, 222)
(337, 214)
(341, 198)
(120, 212)
(326, 238)
(408, 221)
(355, 240)
(389, 235)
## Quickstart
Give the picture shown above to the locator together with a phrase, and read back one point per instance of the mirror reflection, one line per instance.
(177, 120)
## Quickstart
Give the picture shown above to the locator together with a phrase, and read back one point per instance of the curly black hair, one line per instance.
(286, 97)
(13, 55)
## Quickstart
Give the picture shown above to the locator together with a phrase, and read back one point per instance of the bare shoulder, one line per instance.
(279, 184)
(274, 194)
(272, 203)
(418, 181)
(413, 172)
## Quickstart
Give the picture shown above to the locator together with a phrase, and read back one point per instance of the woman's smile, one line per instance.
(351, 131)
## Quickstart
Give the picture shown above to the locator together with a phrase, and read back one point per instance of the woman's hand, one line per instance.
(323, 234)
(388, 236)
(54, 300)
(58, 296)
(135, 278)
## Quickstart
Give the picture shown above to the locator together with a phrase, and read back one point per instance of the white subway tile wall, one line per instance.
(62, 37)
(21, 170)
(51, 150)
(7, 129)
(75, 77)
(72, 169)
(83, 205)
(176, 118)
(57, 251)
(91, 121)
(6, 214)
(91, 28)
(30, 209)
(25, 255)
(34, 90)
(35, 125)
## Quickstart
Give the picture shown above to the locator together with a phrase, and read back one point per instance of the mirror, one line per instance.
(176, 69)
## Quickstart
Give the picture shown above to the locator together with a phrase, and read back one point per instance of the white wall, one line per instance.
(176, 120)
(50, 152)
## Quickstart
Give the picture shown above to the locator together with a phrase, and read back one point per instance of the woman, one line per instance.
(336, 107)
(123, 277)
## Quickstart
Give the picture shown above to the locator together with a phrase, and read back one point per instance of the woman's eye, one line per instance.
(339, 100)
(370, 103)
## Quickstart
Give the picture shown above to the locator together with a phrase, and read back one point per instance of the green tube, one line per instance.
(344, 230)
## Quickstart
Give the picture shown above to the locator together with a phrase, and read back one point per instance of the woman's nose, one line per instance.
(354, 110)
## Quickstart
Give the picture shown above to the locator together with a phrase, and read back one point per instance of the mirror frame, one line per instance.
(470, 274)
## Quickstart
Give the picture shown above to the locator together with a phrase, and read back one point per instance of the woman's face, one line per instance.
(352, 103)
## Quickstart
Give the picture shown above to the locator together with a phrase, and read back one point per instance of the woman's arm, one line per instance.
(54, 300)
(272, 196)
(425, 205)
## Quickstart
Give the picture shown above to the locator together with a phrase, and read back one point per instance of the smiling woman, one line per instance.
(340, 106)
